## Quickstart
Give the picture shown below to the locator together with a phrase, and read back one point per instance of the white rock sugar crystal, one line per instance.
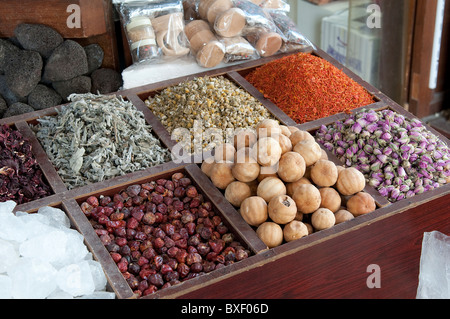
(434, 274)
(42, 257)
(97, 274)
(5, 287)
(11, 227)
(56, 216)
(76, 279)
(57, 247)
(32, 278)
(8, 255)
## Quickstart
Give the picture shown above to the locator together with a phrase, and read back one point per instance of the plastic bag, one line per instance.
(154, 29)
(205, 46)
(238, 49)
(294, 40)
(434, 273)
(279, 5)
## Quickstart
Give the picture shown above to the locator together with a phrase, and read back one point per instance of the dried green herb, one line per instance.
(96, 137)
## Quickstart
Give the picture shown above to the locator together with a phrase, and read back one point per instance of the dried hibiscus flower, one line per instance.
(21, 178)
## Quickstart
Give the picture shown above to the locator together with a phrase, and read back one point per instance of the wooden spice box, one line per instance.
(332, 263)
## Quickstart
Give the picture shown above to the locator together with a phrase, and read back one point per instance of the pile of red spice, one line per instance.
(307, 87)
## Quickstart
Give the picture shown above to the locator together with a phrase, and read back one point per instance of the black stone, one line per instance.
(7, 94)
(7, 52)
(66, 62)
(95, 55)
(105, 81)
(80, 84)
(43, 97)
(18, 109)
(38, 37)
(3, 106)
(23, 72)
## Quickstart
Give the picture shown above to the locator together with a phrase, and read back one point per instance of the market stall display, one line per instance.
(292, 183)
(253, 200)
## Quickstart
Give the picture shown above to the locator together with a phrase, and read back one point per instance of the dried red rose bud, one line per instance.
(146, 273)
(137, 214)
(158, 243)
(143, 285)
(121, 241)
(181, 243)
(157, 198)
(157, 261)
(207, 206)
(142, 261)
(122, 265)
(162, 208)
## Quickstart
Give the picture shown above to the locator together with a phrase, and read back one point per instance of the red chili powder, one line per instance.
(307, 87)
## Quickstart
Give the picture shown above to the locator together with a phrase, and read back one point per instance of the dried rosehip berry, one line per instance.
(143, 285)
(165, 269)
(183, 270)
(179, 192)
(149, 253)
(132, 223)
(133, 190)
(92, 200)
(156, 279)
(196, 267)
(149, 218)
(116, 257)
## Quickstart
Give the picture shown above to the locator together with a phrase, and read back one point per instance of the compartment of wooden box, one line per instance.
(379, 98)
(49, 176)
(57, 203)
(242, 232)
